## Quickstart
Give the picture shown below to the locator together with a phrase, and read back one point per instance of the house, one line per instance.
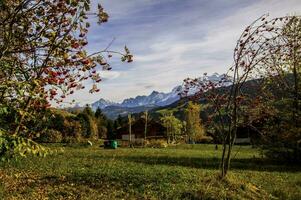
(247, 135)
(154, 130)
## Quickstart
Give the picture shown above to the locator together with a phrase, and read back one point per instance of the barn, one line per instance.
(154, 130)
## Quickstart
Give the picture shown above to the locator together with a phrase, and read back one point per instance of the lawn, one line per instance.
(181, 172)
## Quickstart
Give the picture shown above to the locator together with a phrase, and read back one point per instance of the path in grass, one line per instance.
(180, 172)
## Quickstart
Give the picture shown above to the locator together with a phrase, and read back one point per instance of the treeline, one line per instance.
(57, 125)
(76, 126)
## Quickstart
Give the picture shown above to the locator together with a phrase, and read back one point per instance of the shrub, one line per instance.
(156, 143)
(13, 145)
(51, 136)
(71, 140)
(204, 139)
(283, 145)
(138, 142)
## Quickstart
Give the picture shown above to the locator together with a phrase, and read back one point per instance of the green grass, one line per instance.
(181, 172)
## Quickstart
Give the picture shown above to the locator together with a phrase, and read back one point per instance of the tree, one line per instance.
(193, 126)
(282, 142)
(43, 56)
(99, 114)
(173, 126)
(116, 125)
(130, 122)
(254, 58)
(146, 118)
(119, 119)
(102, 122)
(89, 127)
(110, 130)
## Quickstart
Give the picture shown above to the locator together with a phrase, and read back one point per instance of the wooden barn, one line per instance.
(154, 130)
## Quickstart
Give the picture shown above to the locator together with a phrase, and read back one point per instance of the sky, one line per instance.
(171, 40)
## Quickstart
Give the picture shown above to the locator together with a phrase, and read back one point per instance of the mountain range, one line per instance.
(151, 101)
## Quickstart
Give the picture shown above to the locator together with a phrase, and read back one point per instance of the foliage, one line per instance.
(110, 130)
(43, 57)
(12, 145)
(101, 122)
(280, 137)
(62, 126)
(264, 50)
(204, 139)
(282, 141)
(156, 143)
(88, 123)
(51, 136)
(174, 127)
(194, 129)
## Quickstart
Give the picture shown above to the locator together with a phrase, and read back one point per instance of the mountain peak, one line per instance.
(102, 103)
(154, 93)
(156, 99)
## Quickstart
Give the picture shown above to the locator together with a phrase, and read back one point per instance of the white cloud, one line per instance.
(172, 40)
(109, 75)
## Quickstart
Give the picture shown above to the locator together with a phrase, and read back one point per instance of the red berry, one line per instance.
(53, 92)
(85, 62)
(75, 45)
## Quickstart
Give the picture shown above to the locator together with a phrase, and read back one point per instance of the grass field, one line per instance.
(181, 172)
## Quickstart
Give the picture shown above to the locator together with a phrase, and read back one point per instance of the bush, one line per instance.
(156, 143)
(14, 145)
(71, 140)
(283, 145)
(204, 140)
(51, 136)
(283, 154)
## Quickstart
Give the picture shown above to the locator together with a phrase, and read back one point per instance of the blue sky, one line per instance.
(171, 40)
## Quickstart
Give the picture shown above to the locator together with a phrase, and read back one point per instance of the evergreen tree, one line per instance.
(87, 110)
(99, 114)
(116, 125)
(119, 120)
(102, 123)
(110, 130)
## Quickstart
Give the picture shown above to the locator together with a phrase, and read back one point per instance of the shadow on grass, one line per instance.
(255, 164)
(79, 184)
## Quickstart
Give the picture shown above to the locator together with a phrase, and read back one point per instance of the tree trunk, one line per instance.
(130, 129)
(145, 128)
(223, 158)
(296, 90)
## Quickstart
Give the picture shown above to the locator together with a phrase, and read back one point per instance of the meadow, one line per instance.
(179, 172)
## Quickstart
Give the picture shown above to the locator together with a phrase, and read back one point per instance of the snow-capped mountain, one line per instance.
(216, 79)
(153, 100)
(156, 99)
(224, 79)
(102, 103)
